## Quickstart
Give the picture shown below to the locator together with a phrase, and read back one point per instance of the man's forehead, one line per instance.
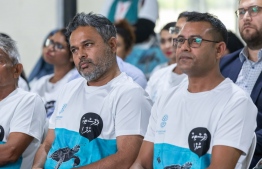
(195, 28)
(181, 22)
(83, 33)
(247, 3)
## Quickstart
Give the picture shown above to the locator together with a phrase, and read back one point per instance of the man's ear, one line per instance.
(220, 49)
(17, 70)
(112, 44)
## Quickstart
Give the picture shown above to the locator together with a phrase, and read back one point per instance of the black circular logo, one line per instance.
(91, 125)
(2, 133)
(199, 141)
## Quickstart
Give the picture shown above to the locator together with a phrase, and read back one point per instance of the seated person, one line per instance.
(42, 68)
(207, 121)
(166, 45)
(58, 54)
(170, 76)
(100, 119)
(22, 81)
(22, 113)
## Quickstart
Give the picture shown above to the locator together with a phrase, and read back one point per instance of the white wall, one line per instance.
(28, 22)
(90, 6)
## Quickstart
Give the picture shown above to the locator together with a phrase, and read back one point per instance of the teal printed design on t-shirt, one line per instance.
(15, 165)
(70, 150)
(168, 156)
(132, 13)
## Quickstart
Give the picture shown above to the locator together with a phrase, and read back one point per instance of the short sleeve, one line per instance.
(30, 117)
(150, 133)
(132, 112)
(237, 124)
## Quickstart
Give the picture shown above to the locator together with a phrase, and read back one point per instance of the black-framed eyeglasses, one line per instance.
(193, 42)
(252, 11)
(174, 29)
(56, 45)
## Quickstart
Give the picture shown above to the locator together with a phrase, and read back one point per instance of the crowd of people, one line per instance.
(85, 105)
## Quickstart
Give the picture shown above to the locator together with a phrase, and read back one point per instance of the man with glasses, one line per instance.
(170, 76)
(244, 66)
(207, 121)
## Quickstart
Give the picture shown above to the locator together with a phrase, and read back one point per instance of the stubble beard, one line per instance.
(253, 40)
(104, 63)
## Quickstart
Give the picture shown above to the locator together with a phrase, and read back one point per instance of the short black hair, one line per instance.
(233, 42)
(168, 25)
(219, 29)
(104, 27)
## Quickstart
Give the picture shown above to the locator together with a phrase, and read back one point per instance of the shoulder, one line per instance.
(40, 82)
(227, 59)
(163, 71)
(125, 84)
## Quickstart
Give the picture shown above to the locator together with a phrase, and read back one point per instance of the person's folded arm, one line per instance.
(224, 157)
(127, 150)
(14, 147)
(43, 150)
(145, 156)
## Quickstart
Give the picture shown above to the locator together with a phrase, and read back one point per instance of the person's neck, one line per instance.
(205, 83)
(60, 72)
(105, 78)
(253, 54)
(5, 91)
(177, 70)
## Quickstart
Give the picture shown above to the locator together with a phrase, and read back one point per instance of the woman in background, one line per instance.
(166, 46)
(56, 53)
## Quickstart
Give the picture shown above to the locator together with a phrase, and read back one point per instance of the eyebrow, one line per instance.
(83, 42)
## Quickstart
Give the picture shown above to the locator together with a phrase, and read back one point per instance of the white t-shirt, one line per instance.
(22, 112)
(163, 80)
(22, 84)
(87, 120)
(185, 126)
(49, 91)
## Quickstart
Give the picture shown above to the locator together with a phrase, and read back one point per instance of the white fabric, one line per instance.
(22, 84)
(158, 67)
(149, 10)
(49, 91)
(120, 107)
(227, 112)
(23, 112)
(163, 80)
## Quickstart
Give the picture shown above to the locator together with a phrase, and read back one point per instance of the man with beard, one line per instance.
(244, 66)
(99, 120)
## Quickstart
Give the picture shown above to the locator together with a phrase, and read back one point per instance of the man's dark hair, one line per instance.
(168, 25)
(186, 14)
(124, 29)
(103, 26)
(219, 30)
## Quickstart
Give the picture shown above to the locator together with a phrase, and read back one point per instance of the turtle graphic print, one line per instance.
(66, 154)
(90, 127)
